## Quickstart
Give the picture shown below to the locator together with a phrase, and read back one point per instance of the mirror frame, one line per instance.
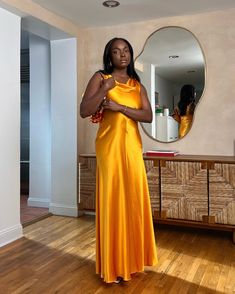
(205, 79)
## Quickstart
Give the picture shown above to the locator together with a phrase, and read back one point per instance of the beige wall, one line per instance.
(213, 130)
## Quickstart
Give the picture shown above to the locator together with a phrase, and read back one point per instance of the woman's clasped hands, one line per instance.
(111, 105)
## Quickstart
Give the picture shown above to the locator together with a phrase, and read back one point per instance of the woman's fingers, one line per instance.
(109, 83)
(111, 105)
(105, 102)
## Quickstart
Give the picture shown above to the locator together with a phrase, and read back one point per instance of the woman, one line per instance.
(125, 240)
(183, 114)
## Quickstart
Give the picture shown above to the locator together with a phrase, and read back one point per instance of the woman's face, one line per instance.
(120, 54)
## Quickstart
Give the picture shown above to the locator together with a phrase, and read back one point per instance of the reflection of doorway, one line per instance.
(156, 100)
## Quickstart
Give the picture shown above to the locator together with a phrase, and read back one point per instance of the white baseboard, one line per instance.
(10, 234)
(60, 209)
(38, 202)
(89, 212)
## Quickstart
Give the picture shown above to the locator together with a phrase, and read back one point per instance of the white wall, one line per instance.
(10, 227)
(146, 81)
(64, 127)
(166, 91)
(53, 125)
(40, 122)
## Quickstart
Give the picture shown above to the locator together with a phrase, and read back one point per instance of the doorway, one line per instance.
(28, 214)
(44, 59)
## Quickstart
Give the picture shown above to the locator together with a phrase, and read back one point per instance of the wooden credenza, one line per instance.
(186, 190)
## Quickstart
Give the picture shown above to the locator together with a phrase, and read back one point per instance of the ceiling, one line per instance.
(91, 13)
(188, 66)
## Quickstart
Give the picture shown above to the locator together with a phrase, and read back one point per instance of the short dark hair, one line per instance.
(107, 63)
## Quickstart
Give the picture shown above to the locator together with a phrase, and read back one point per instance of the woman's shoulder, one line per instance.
(141, 86)
(103, 74)
(99, 76)
(96, 79)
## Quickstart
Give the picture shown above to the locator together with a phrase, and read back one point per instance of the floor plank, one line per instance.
(57, 255)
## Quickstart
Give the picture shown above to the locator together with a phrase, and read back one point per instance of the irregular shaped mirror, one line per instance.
(172, 68)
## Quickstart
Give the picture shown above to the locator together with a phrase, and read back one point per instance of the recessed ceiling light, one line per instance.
(111, 3)
(173, 56)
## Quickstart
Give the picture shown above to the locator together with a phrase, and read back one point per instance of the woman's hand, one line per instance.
(111, 105)
(108, 84)
(96, 90)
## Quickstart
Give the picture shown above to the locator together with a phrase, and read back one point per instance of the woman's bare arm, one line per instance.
(95, 92)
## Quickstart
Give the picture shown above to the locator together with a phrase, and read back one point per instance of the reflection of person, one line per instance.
(184, 112)
(125, 240)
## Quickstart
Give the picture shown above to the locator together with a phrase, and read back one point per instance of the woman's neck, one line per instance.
(120, 76)
(122, 73)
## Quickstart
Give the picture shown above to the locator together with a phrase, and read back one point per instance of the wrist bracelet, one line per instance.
(125, 109)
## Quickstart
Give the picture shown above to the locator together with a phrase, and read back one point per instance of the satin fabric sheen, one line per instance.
(186, 121)
(185, 124)
(125, 240)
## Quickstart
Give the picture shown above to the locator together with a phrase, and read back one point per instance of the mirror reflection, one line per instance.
(172, 68)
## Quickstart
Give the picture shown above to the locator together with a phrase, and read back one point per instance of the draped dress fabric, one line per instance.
(185, 124)
(186, 121)
(125, 240)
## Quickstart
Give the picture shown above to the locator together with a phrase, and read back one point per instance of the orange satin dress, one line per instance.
(185, 121)
(185, 124)
(125, 240)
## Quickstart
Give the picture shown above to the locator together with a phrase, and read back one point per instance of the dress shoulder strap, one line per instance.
(104, 76)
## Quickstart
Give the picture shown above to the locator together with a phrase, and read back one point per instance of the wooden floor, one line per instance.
(29, 214)
(57, 255)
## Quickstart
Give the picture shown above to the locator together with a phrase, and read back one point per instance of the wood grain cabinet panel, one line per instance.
(184, 190)
(222, 193)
